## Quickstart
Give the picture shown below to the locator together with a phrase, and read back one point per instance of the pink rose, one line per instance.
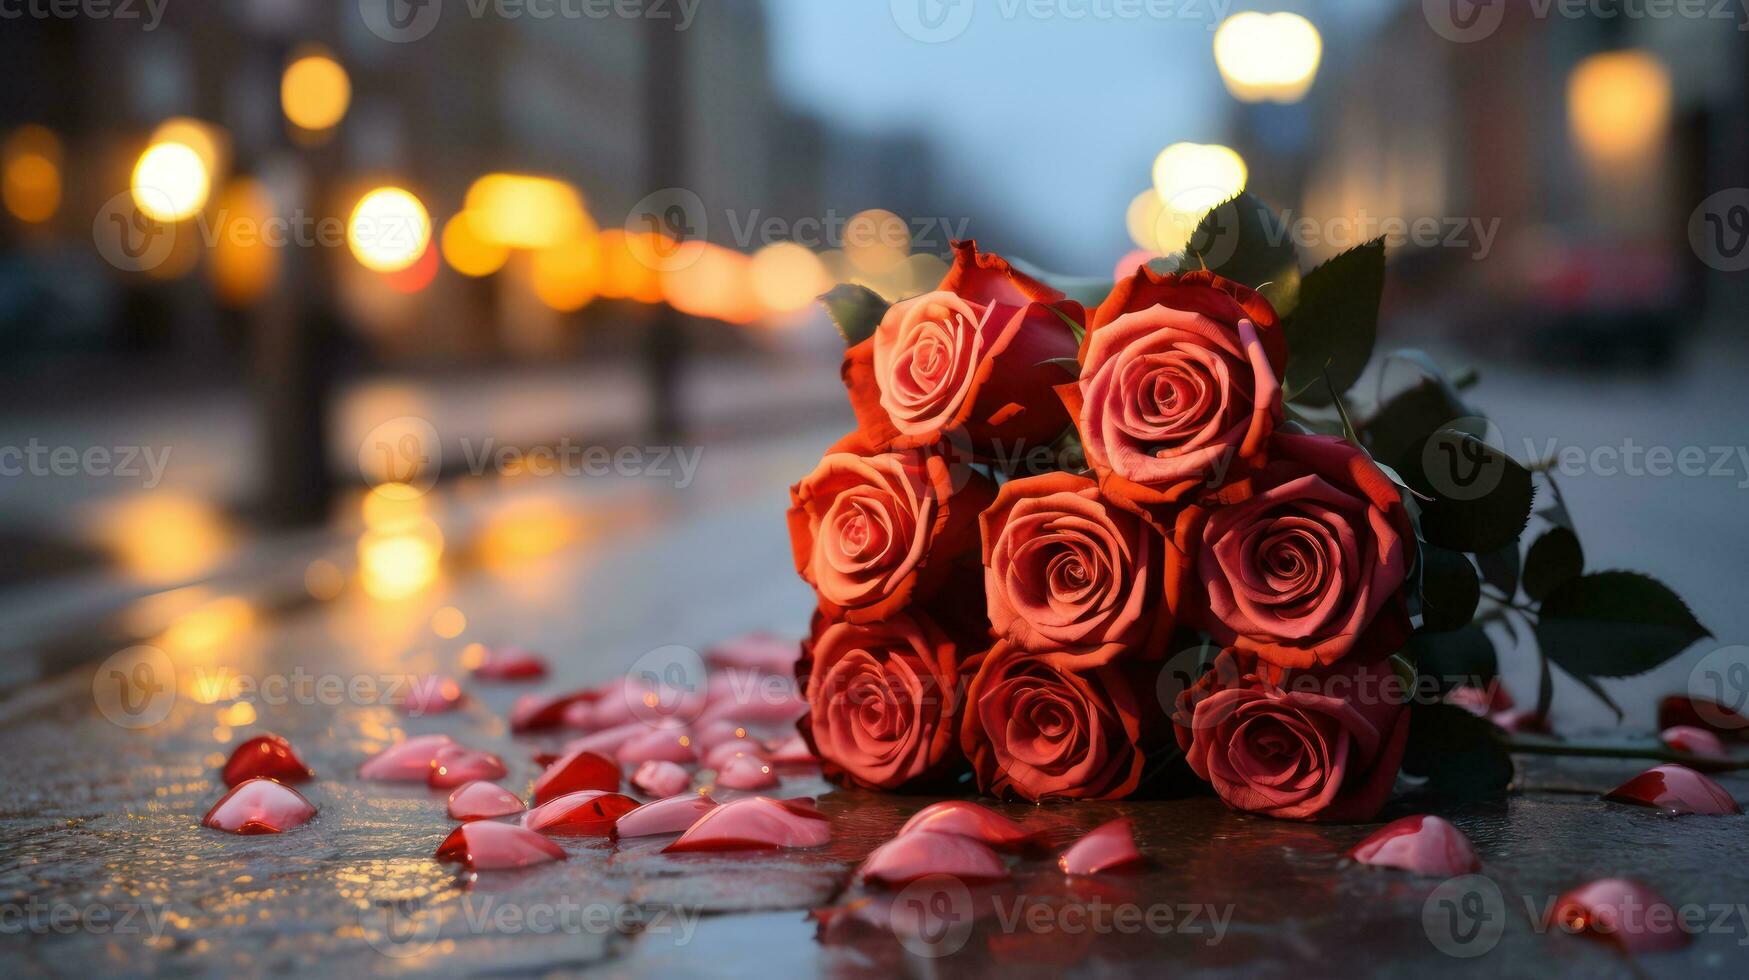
(969, 361)
(1322, 744)
(872, 534)
(1308, 566)
(1180, 386)
(1070, 576)
(882, 701)
(1036, 729)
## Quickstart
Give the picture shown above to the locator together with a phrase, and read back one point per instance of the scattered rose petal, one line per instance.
(668, 816)
(481, 800)
(920, 853)
(1106, 847)
(755, 823)
(1424, 844)
(1636, 918)
(746, 772)
(485, 845)
(713, 734)
(454, 765)
(1703, 713)
(267, 755)
(259, 806)
(968, 819)
(762, 709)
(432, 696)
(1675, 789)
(1694, 741)
(408, 760)
(588, 813)
(576, 771)
(669, 744)
(661, 778)
(792, 751)
(725, 752)
(607, 742)
(539, 712)
(510, 664)
(1481, 701)
(766, 652)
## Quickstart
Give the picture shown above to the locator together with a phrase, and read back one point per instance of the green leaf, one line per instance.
(1076, 328)
(1614, 624)
(1461, 657)
(1500, 568)
(1242, 239)
(857, 310)
(1449, 589)
(1068, 364)
(1552, 560)
(1334, 326)
(1459, 754)
(1410, 416)
(1481, 497)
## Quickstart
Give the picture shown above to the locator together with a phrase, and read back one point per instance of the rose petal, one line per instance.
(909, 857)
(1694, 741)
(259, 806)
(661, 778)
(453, 765)
(764, 652)
(667, 744)
(587, 813)
(667, 816)
(1104, 848)
(968, 819)
(1675, 789)
(485, 845)
(755, 823)
(481, 800)
(509, 664)
(265, 755)
(1424, 844)
(408, 760)
(1631, 915)
(577, 770)
(432, 696)
(746, 772)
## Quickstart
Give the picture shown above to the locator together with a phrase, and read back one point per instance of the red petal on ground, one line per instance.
(574, 772)
(539, 712)
(488, 846)
(268, 756)
(968, 819)
(408, 760)
(1104, 848)
(1675, 789)
(589, 813)
(669, 744)
(454, 765)
(259, 806)
(433, 696)
(659, 779)
(756, 823)
(746, 772)
(1694, 741)
(481, 800)
(921, 853)
(669, 816)
(1424, 844)
(765, 652)
(1625, 912)
(510, 664)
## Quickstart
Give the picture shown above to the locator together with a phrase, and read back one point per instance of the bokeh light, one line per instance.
(163, 537)
(315, 92)
(566, 277)
(787, 277)
(1268, 57)
(522, 211)
(1191, 178)
(623, 274)
(30, 174)
(718, 285)
(876, 240)
(170, 182)
(208, 141)
(401, 561)
(388, 230)
(468, 253)
(1618, 104)
(244, 265)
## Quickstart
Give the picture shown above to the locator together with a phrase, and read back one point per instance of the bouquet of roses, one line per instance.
(1080, 552)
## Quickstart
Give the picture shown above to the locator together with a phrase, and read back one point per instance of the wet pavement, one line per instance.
(105, 869)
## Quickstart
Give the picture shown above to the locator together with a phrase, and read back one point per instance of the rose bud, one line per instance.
(969, 363)
(1309, 567)
(1069, 575)
(1322, 744)
(883, 701)
(872, 534)
(1037, 730)
(1180, 386)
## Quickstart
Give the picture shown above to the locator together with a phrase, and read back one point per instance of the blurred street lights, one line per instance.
(1268, 57)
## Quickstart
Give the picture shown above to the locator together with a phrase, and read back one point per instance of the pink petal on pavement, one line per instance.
(1423, 844)
(259, 806)
(485, 845)
(407, 761)
(921, 853)
(575, 771)
(755, 823)
(1625, 912)
(667, 816)
(968, 819)
(1675, 789)
(745, 772)
(660, 778)
(481, 800)
(1104, 848)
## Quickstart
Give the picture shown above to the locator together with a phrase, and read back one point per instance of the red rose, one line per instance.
(1180, 386)
(1068, 575)
(1307, 567)
(871, 534)
(882, 701)
(1321, 744)
(967, 362)
(1038, 730)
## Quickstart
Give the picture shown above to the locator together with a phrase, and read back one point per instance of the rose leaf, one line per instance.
(857, 310)
(1335, 324)
(1614, 624)
(1552, 559)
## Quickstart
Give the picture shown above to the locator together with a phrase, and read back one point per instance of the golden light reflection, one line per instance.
(524, 530)
(30, 174)
(566, 277)
(244, 266)
(387, 506)
(208, 141)
(623, 274)
(468, 253)
(401, 562)
(170, 182)
(216, 624)
(718, 285)
(876, 240)
(448, 622)
(389, 229)
(315, 91)
(162, 538)
(524, 211)
(1618, 104)
(1268, 57)
(787, 277)
(238, 715)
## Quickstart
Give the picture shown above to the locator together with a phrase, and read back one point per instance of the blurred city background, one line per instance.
(421, 309)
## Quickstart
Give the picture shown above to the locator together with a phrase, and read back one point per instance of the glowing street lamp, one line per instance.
(315, 92)
(388, 230)
(170, 182)
(1618, 104)
(1268, 57)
